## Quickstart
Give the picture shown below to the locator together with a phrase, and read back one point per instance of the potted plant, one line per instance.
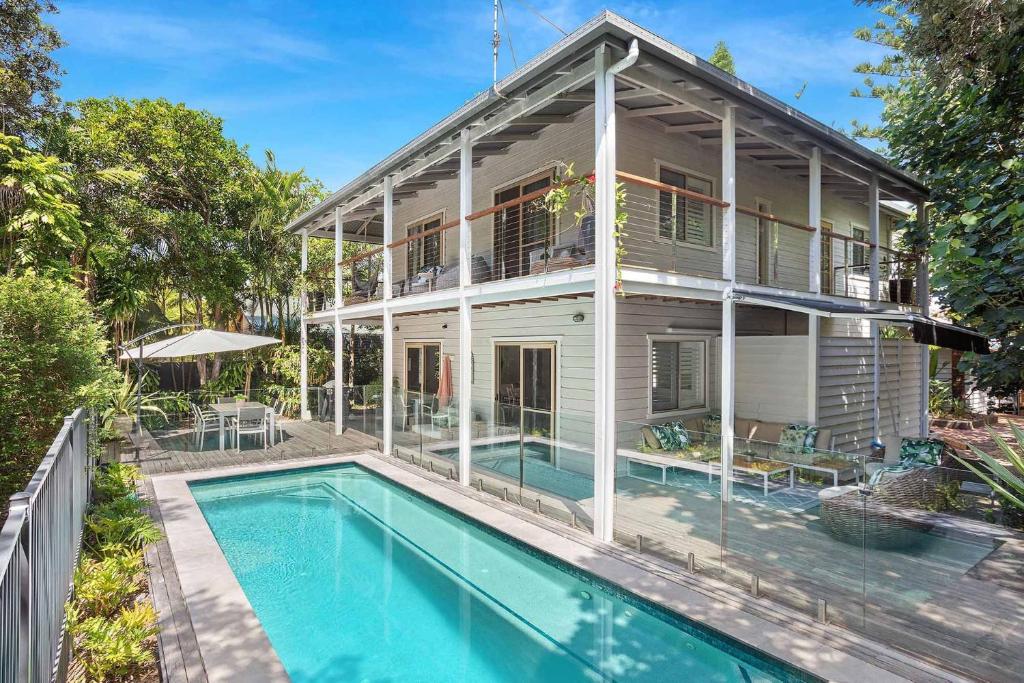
(901, 282)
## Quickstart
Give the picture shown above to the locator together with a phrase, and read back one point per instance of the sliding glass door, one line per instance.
(422, 376)
(525, 386)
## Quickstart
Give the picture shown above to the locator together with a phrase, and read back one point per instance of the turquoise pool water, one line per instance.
(539, 471)
(357, 579)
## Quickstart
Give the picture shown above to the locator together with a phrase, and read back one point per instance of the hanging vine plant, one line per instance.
(569, 186)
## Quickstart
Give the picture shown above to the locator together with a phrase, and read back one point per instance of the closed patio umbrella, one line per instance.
(444, 389)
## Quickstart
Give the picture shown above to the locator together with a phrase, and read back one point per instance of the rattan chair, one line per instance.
(893, 513)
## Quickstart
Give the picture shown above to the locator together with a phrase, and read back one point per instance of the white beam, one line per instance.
(604, 298)
(729, 194)
(659, 110)
(303, 333)
(465, 392)
(388, 361)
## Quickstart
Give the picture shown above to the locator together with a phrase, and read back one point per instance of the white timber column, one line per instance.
(304, 333)
(814, 217)
(465, 309)
(339, 330)
(875, 237)
(814, 321)
(388, 362)
(728, 390)
(924, 302)
(604, 297)
(874, 270)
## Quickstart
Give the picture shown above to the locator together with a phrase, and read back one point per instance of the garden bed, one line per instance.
(965, 423)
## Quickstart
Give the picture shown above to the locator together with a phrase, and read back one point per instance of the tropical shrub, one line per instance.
(115, 649)
(124, 401)
(52, 360)
(110, 620)
(1008, 483)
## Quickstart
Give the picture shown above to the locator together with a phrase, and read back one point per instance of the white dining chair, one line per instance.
(251, 422)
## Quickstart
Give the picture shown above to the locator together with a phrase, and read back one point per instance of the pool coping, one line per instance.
(234, 646)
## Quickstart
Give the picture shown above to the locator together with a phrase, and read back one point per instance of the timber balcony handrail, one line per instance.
(664, 187)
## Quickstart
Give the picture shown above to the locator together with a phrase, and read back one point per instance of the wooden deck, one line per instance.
(178, 450)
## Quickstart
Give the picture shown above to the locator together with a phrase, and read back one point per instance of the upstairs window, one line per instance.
(683, 219)
(859, 255)
(425, 252)
(678, 372)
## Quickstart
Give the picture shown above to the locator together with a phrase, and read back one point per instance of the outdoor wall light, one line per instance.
(444, 326)
(578, 318)
(396, 328)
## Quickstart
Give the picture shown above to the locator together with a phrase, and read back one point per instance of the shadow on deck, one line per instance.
(180, 449)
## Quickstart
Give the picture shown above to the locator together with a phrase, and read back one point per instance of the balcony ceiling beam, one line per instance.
(660, 110)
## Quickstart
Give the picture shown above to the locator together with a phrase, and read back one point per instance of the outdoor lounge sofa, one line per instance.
(892, 509)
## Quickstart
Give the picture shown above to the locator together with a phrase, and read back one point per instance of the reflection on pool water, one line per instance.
(355, 578)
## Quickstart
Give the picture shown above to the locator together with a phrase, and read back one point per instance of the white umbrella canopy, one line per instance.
(198, 343)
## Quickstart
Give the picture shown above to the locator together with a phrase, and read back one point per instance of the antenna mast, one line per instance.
(495, 41)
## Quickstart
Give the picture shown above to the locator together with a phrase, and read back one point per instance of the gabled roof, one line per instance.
(665, 73)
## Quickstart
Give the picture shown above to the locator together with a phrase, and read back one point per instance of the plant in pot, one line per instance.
(568, 187)
(901, 282)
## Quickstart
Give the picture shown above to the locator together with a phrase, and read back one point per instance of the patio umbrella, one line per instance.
(444, 390)
(198, 343)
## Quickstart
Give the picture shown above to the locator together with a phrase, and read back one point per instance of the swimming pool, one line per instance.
(355, 578)
(539, 471)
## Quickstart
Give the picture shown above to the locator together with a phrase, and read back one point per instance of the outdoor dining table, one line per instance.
(226, 410)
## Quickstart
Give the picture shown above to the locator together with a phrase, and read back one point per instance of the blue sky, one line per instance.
(333, 87)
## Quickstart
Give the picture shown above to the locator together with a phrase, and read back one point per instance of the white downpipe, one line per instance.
(465, 392)
(388, 362)
(304, 333)
(604, 287)
(339, 330)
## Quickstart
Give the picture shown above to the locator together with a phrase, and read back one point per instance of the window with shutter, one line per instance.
(678, 374)
(683, 219)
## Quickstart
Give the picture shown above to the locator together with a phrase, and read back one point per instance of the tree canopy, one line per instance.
(722, 58)
(29, 75)
(953, 93)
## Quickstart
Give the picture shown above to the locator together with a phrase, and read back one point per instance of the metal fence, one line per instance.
(39, 547)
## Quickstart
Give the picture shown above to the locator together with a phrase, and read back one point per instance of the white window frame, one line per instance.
(867, 238)
(406, 343)
(428, 218)
(705, 339)
(715, 247)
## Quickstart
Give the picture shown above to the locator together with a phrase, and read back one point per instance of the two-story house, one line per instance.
(715, 257)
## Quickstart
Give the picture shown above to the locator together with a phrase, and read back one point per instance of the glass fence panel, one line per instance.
(935, 567)
(668, 498)
(775, 541)
(541, 460)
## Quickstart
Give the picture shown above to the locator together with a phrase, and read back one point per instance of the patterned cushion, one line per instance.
(672, 436)
(921, 451)
(713, 424)
(884, 472)
(797, 438)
